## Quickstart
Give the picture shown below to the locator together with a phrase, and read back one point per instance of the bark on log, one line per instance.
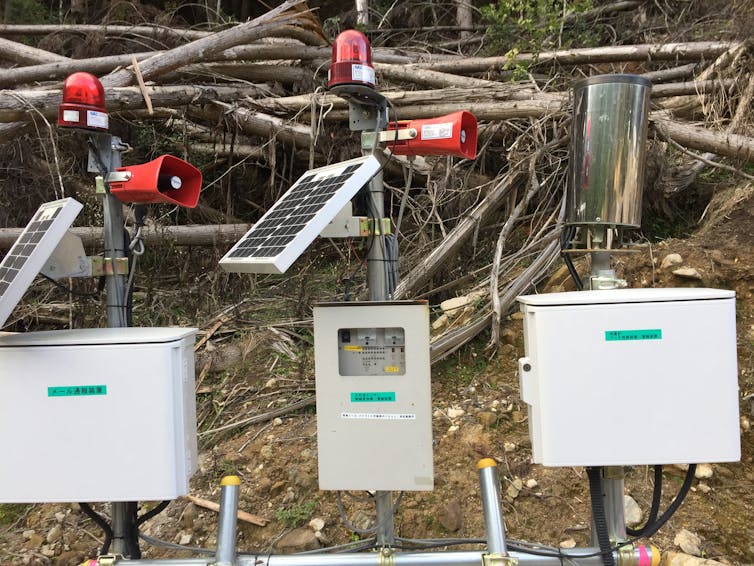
(464, 96)
(156, 31)
(724, 144)
(187, 235)
(223, 149)
(103, 65)
(254, 123)
(643, 52)
(422, 273)
(198, 50)
(25, 55)
(671, 74)
(504, 110)
(15, 104)
(254, 72)
(495, 91)
(427, 77)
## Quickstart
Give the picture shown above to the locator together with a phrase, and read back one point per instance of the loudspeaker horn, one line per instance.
(165, 179)
(452, 134)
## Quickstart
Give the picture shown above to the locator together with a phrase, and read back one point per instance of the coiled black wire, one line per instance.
(598, 513)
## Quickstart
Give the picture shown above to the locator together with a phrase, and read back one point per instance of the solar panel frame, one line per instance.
(284, 232)
(32, 249)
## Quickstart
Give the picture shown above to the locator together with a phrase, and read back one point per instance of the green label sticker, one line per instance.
(76, 390)
(373, 397)
(629, 335)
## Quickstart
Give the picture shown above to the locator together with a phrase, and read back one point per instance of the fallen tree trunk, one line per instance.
(420, 274)
(644, 52)
(724, 144)
(199, 49)
(15, 104)
(103, 65)
(155, 31)
(254, 72)
(187, 235)
(254, 123)
(461, 97)
(26, 55)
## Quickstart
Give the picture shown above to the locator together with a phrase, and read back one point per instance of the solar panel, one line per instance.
(290, 226)
(32, 249)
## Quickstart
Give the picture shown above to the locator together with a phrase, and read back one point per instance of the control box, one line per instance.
(105, 414)
(374, 406)
(631, 376)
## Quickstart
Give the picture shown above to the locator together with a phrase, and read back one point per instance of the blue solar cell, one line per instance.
(287, 229)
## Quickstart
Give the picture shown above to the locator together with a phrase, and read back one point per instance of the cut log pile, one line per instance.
(261, 84)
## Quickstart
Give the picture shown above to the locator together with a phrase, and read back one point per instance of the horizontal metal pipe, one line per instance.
(463, 558)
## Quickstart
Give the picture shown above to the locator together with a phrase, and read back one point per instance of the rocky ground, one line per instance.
(477, 413)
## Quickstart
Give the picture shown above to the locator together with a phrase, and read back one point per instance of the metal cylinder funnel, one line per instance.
(606, 172)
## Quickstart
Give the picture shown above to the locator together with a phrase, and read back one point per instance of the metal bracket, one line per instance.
(118, 176)
(109, 559)
(370, 139)
(366, 227)
(386, 557)
(68, 259)
(104, 266)
(602, 282)
(498, 560)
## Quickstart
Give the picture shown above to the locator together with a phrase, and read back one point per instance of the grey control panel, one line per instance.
(371, 351)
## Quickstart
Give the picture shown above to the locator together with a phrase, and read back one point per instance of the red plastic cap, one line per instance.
(351, 60)
(83, 103)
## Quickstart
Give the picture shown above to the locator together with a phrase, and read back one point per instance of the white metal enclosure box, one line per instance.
(631, 376)
(105, 414)
(374, 406)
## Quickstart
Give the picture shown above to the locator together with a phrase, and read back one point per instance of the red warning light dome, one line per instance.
(83, 103)
(351, 60)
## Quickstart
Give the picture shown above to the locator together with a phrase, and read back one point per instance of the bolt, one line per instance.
(527, 367)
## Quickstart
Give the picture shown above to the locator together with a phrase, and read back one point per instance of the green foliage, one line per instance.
(11, 512)
(332, 27)
(532, 25)
(296, 514)
(25, 12)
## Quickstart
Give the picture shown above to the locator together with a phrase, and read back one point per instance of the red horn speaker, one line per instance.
(165, 179)
(452, 134)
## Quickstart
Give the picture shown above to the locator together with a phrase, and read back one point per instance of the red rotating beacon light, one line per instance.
(351, 60)
(83, 103)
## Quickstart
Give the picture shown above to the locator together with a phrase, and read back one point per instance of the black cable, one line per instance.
(100, 521)
(655, 508)
(69, 290)
(594, 473)
(156, 510)
(673, 507)
(565, 236)
(165, 544)
(132, 531)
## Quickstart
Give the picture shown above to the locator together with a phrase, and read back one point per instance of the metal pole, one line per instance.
(378, 291)
(108, 148)
(108, 155)
(493, 514)
(226, 532)
(613, 476)
(376, 258)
